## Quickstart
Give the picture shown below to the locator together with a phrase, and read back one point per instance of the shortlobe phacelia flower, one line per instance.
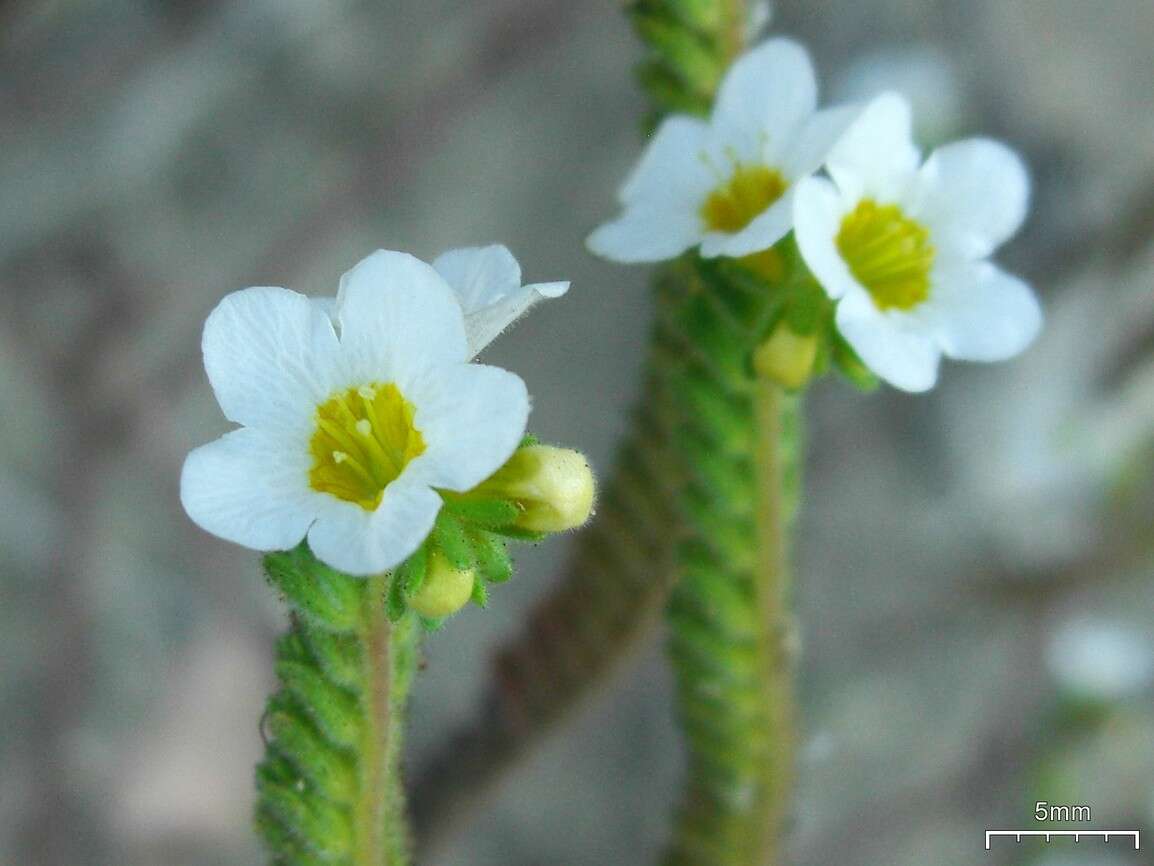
(902, 246)
(727, 183)
(355, 412)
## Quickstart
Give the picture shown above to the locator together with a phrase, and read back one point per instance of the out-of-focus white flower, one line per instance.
(902, 247)
(354, 413)
(727, 184)
(1101, 660)
(924, 74)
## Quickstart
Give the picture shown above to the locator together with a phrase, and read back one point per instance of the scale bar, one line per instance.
(1077, 834)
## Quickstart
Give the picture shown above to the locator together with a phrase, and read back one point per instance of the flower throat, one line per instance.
(888, 253)
(734, 204)
(363, 440)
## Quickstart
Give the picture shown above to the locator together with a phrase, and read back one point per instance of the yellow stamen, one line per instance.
(748, 192)
(364, 438)
(888, 253)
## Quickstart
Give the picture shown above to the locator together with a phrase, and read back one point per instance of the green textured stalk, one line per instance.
(329, 789)
(731, 638)
(382, 838)
(619, 577)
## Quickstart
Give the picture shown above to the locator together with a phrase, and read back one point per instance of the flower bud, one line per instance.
(553, 487)
(445, 590)
(786, 357)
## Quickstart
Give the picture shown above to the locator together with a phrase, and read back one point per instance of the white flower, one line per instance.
(902, 246)
(354, 413)
(1100, 659)
(728, 184)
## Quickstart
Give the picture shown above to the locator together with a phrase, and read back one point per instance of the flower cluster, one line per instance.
(360, 414)
(901, 246)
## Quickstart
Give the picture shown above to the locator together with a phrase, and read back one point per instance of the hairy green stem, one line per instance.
(730, 632)
(774, 461)
(382, 835)
(330, 785)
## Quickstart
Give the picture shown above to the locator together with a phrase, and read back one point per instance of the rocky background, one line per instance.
(975, 566)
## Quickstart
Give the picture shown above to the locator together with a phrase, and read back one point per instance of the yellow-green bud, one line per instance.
(553, 487)
(445, 590)
(786, 357)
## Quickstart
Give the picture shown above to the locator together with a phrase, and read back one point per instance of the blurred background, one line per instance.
(975, 565)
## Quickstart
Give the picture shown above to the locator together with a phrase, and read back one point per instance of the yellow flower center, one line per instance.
(734, 204)
(888, 253)
(364, 439)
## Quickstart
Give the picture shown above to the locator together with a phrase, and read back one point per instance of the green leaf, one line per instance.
(322, 594)
(334, 710)
(520, 534)
(283, 843)
(329, 771)
(411, 573)
(701, 15)
(667, 90)
(486, 513)
(316, 825)
(395, 603)
(493, 562)
(449, 539)
(849, 365)
(339, 656)
(686, 54)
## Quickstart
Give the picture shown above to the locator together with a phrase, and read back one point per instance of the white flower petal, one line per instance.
(818, 213)
(812, 145)
(549, 290)
(763, 232)
(483, 326)
(360, 542)
(398, 317)
(647, 234)
(877, 157)
(270, 355)
(473, 418)
(973, 195)
(479, 275)
(895, 351)
(250, 487)
(981, 313)
(672, 171)
(327, 307)
(765, 97)
(487, 281)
